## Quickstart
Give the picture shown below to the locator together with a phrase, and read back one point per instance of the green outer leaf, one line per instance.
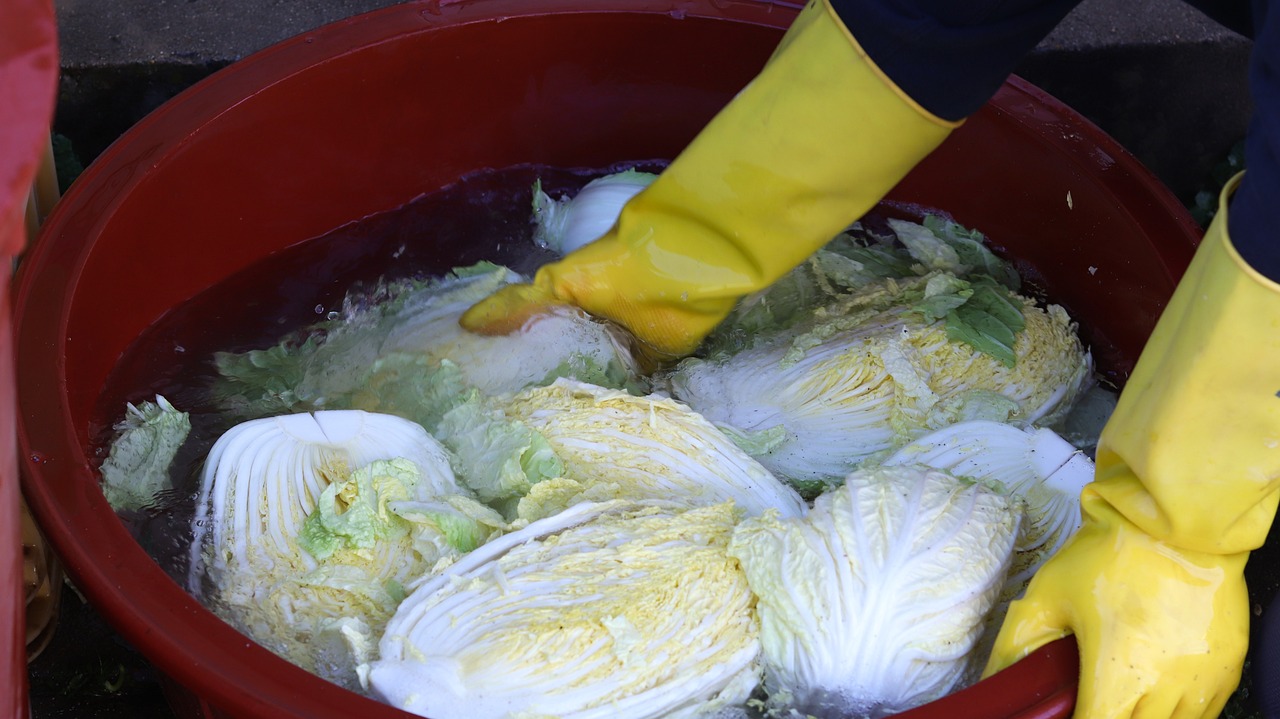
(498, 458)
(997, 301)
(317, 539)
(462, 533)
(989, 322)
(756, 443)
(587, 369)
(970, 247)
(937, 305)
(408, 385)
(454, 521)
(879, 258)
(929, 250)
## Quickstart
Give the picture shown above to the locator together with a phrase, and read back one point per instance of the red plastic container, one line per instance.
(362, 116)
(28, 85)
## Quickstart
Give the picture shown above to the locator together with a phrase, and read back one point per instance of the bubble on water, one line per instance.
(332, 315)
(319, 309)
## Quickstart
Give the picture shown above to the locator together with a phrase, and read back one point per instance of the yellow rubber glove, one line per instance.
(1187, 481)
(809, 146)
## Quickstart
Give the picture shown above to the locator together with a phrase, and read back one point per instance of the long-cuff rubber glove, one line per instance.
(1186, 485)
(810, 145)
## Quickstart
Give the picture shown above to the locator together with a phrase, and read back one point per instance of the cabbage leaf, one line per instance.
(861, 256)
(136, 470)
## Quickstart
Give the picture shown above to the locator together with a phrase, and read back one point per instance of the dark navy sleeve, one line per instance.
(1254, 226)
(1254, 215)
(950, 55)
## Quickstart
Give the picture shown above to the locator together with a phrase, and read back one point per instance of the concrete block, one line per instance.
(1164, 80)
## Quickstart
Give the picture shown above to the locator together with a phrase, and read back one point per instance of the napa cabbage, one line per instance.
(871, 603)
(310, 524)
(1034, 466)
(612, 609)
(613, 444)
(884, 365)
(386, 350)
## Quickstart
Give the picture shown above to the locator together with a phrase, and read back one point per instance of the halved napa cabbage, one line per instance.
(306, 520)
(606, 610)
(386, 350)
(871, 604)
(616, 445)
(881, 367)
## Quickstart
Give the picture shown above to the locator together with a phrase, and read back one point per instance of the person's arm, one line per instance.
(1188, 469)
(950, 56)
(1255, 215)
(810, 145)
(1185, 487)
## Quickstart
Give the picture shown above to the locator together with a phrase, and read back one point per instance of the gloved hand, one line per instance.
(810, 145)
(1186, 485)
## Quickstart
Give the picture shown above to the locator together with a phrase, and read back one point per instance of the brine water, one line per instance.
(485, 216)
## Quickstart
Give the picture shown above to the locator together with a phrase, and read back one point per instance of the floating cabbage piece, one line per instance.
(136, 470)
(615, 445)
(871, 603)
(307, 519)
(875, 370)
(382, 345)
(605, 610)
(566, 224)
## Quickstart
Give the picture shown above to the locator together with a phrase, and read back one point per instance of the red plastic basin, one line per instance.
(28, 85)
(362, 116)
